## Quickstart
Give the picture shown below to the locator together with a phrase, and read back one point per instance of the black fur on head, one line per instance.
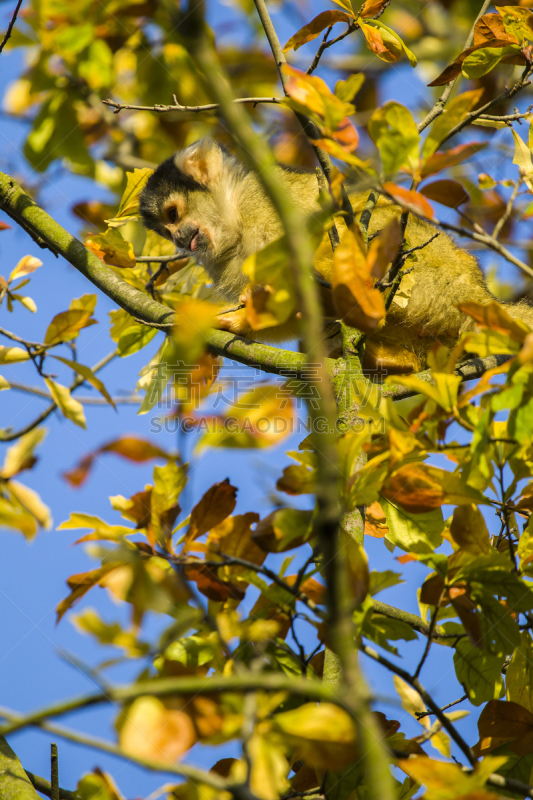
(166, 180)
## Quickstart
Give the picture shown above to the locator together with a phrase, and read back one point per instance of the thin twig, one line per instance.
(325, 44)
(428, 700)
(516, 117)
(421, 714)
(425, 654)
(308, 127)
(505, 95)
(10, 437)
(438, 108)
(10, 26)
(260, 570)
(160, 109)
(508, 210)
(54, 773)
(163, 259)
(484, 238)
(25, 342)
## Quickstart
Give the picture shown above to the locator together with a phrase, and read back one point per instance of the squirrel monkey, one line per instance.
(205, 201)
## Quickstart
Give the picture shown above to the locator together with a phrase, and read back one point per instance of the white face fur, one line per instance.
(194, 199)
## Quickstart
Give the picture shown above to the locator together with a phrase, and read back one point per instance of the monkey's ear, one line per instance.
(202, 161)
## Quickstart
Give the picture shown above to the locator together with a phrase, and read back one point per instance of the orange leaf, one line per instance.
(443, 160)
(310, 31)
(384, 248)
(374, 40)
(373, 8)
(354, 295)
(375, 521)
(132, 448)
(493, 315)
(80, 585)
(450, 193)
(411, 197)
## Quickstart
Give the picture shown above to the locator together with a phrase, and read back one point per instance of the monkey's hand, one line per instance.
(235, 320)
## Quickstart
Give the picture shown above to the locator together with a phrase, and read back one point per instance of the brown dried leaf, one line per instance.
(216, 504)
(316, 26)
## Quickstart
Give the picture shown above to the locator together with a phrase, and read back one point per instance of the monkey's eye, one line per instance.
(172, 214)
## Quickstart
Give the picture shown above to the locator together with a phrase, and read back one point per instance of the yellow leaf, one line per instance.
(12, 355)
(67, 325)
(26, 265)
(323, 736)
(13, 515)
(447, 781)
(20, 455)
(31, 501)
(411, 700)
(27, 302)
(269, 768)
(135, 182)
(153, 729)
(71, 408)
(4, 384)
(112, 248)
(260, 418)
(89, 375)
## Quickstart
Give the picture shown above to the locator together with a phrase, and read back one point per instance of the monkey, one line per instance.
(208, 203)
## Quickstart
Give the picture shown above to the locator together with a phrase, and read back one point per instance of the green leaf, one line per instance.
(134, 338)
(384, 580)
(454, 112)
(395, 133)
(519, 675)
(380, 629)
(89, 621)
(483, 60)
(56, 134)
(74, 38)
(97, 67)
(392, 39)
(414, 533)
(346, 90)
(478, 672)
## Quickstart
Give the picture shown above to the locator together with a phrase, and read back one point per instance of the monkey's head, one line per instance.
(192, 199)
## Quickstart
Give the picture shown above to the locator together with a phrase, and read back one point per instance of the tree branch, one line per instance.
(45, 787)
(428, 700)
(10, 26)
(505, 95)
(168, 687)
(438, 108)
(161, 109)
(484, 238)
(308, 127)
(14, 783)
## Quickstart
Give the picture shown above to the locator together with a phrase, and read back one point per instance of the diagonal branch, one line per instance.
(438, 108)
(10, 26)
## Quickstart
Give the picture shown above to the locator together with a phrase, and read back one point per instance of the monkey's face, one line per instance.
(191, 199)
